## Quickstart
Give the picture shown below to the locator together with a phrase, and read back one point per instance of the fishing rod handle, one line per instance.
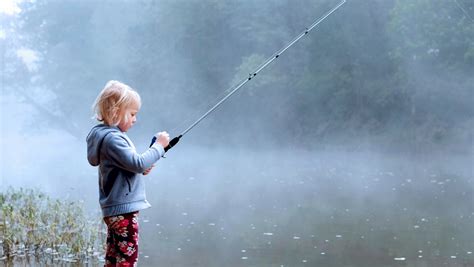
(172, 143)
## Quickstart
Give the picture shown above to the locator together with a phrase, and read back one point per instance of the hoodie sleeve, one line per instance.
(124, 156)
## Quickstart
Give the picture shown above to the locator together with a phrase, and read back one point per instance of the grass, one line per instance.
(51, 230)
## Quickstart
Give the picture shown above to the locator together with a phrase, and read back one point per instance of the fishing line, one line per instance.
(242, 82)
(463, 10)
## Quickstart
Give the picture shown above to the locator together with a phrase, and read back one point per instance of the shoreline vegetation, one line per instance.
(40, 229)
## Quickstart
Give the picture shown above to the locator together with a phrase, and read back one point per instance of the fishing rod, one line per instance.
(176, 139)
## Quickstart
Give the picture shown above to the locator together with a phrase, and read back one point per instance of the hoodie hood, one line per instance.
(94, 141)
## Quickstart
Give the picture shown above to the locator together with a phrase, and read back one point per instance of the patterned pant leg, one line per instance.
(122, 240)
(110, 254)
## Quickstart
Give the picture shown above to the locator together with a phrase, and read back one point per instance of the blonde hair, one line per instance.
(113, 101)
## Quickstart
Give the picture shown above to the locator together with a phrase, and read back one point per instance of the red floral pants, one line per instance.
(122, 240)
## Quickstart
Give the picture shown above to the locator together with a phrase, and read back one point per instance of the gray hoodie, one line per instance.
(121, 185)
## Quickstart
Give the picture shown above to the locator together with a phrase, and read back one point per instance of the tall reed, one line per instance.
(34, 225)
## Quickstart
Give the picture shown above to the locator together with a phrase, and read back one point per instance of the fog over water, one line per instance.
(354, 148)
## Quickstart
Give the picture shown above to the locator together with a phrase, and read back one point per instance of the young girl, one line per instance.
(121, 187)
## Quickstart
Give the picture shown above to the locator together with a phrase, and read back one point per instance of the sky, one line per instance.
(10, 7)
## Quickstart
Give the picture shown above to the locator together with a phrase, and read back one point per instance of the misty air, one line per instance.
(237, 133)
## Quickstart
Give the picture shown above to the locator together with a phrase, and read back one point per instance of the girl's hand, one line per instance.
(147, 171)
(163, 138)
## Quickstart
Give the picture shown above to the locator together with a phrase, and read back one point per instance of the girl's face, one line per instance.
(131, 115)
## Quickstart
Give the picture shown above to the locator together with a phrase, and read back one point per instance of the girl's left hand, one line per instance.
(147, 171)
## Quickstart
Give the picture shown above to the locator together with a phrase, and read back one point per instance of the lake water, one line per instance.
(301, 208)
